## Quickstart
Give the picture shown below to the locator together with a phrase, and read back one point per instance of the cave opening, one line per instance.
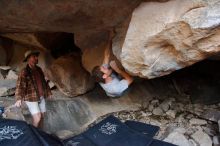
(199, 81)
(59, 44)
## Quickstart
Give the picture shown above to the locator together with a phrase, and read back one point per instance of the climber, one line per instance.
(108, 80)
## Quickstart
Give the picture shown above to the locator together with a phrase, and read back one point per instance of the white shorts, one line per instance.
(36, 107)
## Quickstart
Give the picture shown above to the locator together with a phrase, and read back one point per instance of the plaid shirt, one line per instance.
(26, 88)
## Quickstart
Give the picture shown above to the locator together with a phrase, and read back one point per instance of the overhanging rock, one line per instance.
(179, 34)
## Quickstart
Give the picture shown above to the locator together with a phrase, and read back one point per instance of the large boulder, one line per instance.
(178, 35)
(69, 76)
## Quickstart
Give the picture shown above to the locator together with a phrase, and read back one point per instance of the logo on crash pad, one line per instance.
(108, 128)
(72, 143)
(10, 132)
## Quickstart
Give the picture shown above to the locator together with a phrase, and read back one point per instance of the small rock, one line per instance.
(216, 140)
(180, 118)
(190, 116)
(190, 131)
(198, 108)
(150, 107)
(64, 134)
(192, 142)
(158, 111)
(12, 75)
(180, 130)
(164, 106)
(51, 84)
(3, 90)
(195, 121)
(202, 138)
(171, 113)
(155, 102)
(145, 120)
(164, 122)
(199, 113)
(177, 138)
(210, 130)
(199, 128)
(146, 114)
(155, 122)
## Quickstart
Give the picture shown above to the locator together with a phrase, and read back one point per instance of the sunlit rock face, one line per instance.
(164, 37)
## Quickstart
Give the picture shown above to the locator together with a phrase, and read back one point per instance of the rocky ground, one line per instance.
(180, 122)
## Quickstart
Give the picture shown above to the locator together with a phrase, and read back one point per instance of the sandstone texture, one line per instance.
(69, 76)
(164, 37)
